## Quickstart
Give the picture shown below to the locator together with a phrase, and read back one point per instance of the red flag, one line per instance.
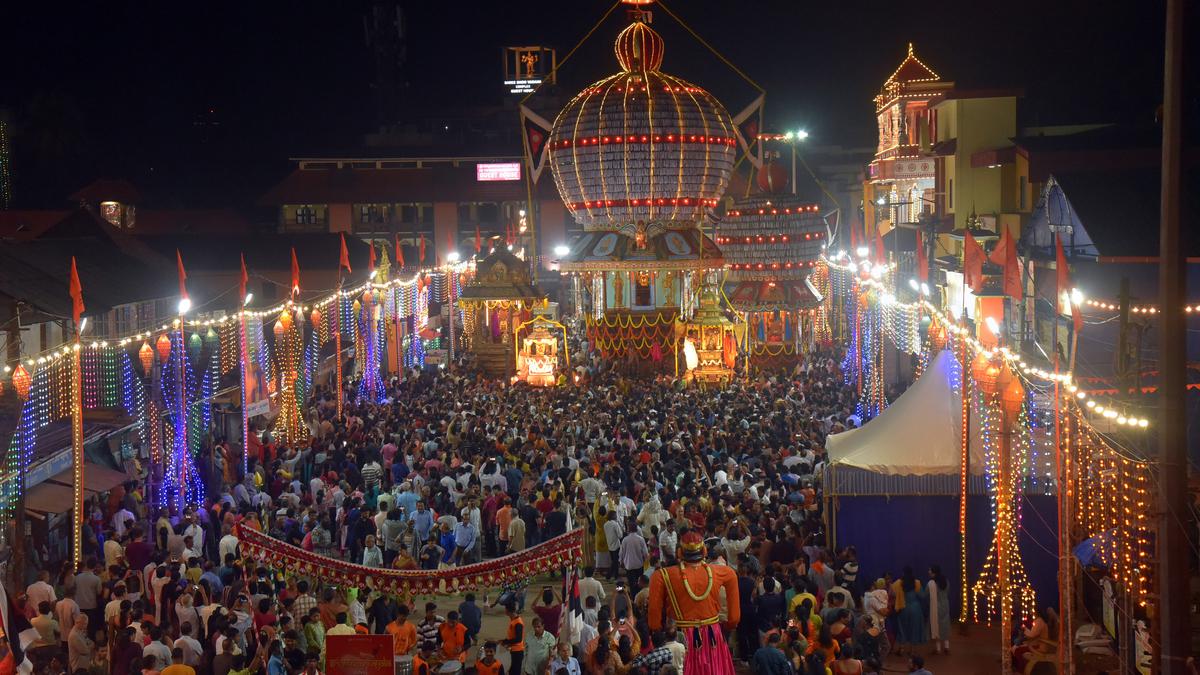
(973, 257)
(243, 279)
(880, 250)
(371, 259)
(1063, 274)
(182, 275)
(399, 251)
(853, 239)
(478, 240)
(422, 248)
(922, 259)
(295, 272)
(344, 259)
(76, 294)
(1005, 255)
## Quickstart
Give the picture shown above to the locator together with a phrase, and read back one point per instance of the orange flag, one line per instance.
(295, 272)
(1005, 255)
(371, 259)
(76, 294)
(922, 259)
(344, 259)
(478, 240)
(422, 249)
(399, 251)
(973, 257)
(182, 275)
(1063, 277)
(243, 279)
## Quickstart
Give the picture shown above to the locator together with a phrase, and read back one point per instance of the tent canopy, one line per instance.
(919, 434)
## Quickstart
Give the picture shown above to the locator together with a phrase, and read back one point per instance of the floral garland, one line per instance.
(561, 551)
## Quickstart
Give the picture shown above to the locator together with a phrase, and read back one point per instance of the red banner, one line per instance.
(359, 655)
(551, 555)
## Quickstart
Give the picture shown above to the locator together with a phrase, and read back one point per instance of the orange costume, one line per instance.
(688, 593)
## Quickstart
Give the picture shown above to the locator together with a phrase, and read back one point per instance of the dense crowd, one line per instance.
(451, 469)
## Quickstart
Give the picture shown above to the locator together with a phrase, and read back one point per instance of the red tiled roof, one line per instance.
(431, 184)
(193, 221)
(25, 225)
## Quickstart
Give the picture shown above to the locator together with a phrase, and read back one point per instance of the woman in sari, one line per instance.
(910, 619)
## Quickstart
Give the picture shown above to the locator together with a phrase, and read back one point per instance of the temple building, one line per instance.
(771, 241)
(640, 158)
(902, 178)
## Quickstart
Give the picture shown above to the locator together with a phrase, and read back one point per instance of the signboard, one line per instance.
(359, 655)
(435, 357)
(258, 395)
(527, 67)
(504, 171)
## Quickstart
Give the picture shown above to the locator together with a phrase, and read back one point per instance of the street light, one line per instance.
(247, 299)
(184, 305)
(452, 256)
(561, 250)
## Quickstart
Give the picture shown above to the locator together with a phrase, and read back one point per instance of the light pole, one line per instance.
(794, 137)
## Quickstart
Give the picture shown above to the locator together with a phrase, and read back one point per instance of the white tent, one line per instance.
(917, 435)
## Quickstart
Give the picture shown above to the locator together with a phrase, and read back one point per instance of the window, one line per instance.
(306, 215)
(126, 319)
(100, 326)
(1021, 186)
(488, 212)
(409, 213)
(465, 213)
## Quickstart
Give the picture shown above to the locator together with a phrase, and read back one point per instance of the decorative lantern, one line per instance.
(937, 336)
(366, 297)
(195, 346)
(986, 374)
(212, 339)
(285, 319)
(357, 306)
(164, 347)
(315, 317)
(146, 354)
(21, 381)
(1012, 397)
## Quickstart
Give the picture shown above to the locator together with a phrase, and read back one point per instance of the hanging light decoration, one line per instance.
(366, 297)
(164, 347)
(21, 381)
(986, 374)
(1012, 397)
(146, 354)
(315, 317)
(195, 346)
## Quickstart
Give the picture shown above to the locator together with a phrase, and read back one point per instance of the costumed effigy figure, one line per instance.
(689, 595)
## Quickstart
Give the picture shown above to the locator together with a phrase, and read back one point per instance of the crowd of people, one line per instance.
(450, 468)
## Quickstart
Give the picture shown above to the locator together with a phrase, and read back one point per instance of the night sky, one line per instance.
(125, 89)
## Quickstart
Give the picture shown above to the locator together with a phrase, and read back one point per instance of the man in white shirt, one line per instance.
(191, 647)
(41, 591)
(590, 587)
(228, 544)
(613, 534)
(668, 540)
(633, 554)
(119, 520)
(158, 649)
(196, 532)
(113, 551)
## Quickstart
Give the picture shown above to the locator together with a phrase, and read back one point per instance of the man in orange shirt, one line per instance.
(454, 639)
(503, 518)
(420, 664)
(515, 639)
(404, 634)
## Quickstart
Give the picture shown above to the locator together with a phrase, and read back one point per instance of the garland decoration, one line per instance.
(555, 554)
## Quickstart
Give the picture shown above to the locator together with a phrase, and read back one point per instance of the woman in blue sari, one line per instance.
(910, 620)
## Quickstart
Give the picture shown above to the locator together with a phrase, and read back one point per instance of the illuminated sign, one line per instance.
(525, 68)
(498, 172)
